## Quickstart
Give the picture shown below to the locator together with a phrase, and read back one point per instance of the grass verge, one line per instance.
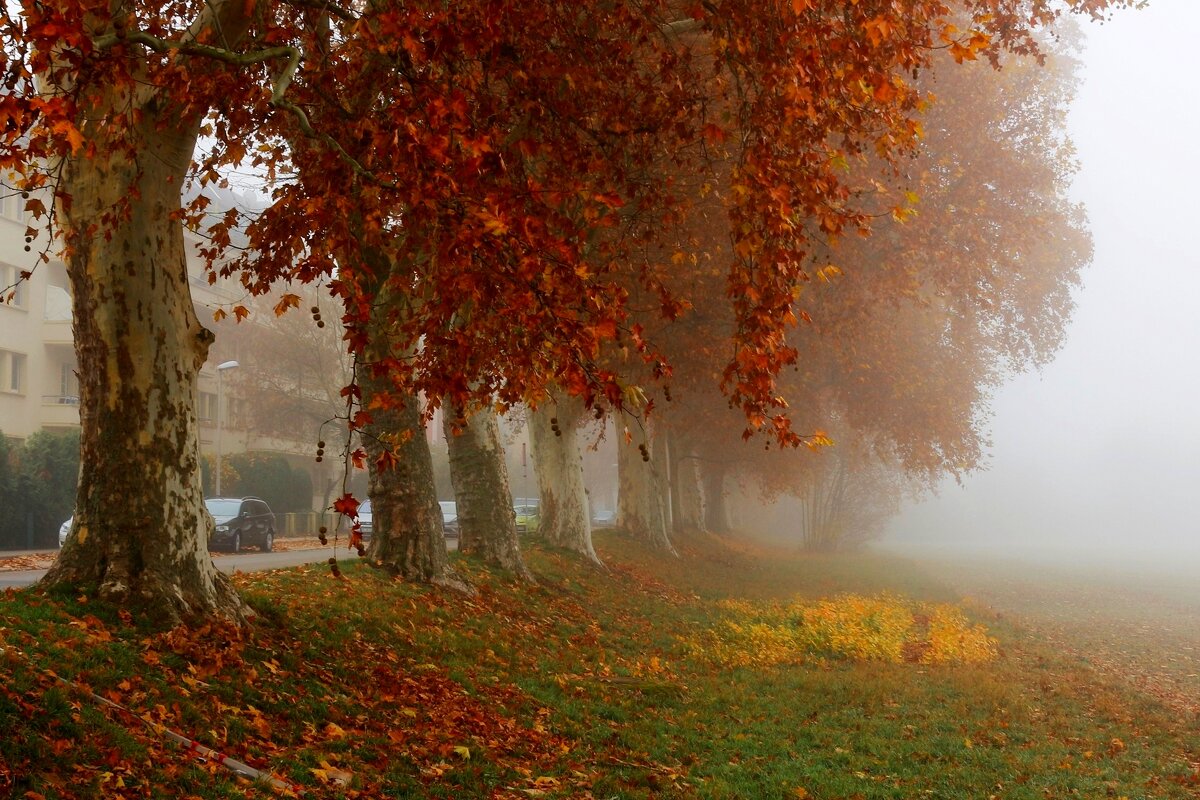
(589, 684)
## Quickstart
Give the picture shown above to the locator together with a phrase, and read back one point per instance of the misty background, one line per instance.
(1097, 456)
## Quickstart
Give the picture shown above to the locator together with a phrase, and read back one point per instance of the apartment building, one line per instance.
(39, 389)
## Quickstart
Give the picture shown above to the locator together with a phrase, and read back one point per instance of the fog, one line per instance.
(1098, 457)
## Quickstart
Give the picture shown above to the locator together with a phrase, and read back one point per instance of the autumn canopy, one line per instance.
(522, 200)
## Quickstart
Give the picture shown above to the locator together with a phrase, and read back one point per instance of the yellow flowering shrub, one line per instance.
(858, 628)
(758, 638)
(880, 628)
(952, 640)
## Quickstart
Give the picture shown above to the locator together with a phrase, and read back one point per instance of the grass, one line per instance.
(587, 685)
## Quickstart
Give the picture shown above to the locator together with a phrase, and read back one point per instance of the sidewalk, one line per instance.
(21, 560)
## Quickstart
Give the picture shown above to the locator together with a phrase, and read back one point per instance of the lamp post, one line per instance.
(220, 403)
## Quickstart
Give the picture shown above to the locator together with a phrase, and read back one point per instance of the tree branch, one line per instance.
(279, 85)
(158, 45)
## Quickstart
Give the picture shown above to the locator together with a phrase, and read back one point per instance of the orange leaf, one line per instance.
(346, 504)
(287, 301)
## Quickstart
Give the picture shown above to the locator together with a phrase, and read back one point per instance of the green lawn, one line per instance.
(588, 685)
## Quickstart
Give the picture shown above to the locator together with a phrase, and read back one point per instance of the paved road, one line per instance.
(246, 562)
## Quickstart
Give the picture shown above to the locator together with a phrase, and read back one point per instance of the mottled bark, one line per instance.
(141, 529)
(564, 520)
(487, 524)
(641, 506)
(689, 493)
(408, 537)
(716, 511)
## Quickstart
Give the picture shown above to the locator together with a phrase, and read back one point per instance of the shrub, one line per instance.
(269, 476)
(882, 628)
(858, 628)
(38, 481)
(953, 640)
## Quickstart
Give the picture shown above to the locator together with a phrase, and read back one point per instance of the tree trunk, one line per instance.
(664, 476)
(640, 493)
(825, 505)
(487, 524)
(141, 529)
(407, 538)
(716, 512)
(689, 493)
(563, 508)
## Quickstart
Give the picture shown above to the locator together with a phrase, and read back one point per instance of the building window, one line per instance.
(13, 207)
(12, 372)
(68, 384)
(207, 408)
(12, 286)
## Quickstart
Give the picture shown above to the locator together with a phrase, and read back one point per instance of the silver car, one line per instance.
(366, 519)
(64, 530)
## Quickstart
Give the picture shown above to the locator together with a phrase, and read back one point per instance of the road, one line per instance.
(246, 562)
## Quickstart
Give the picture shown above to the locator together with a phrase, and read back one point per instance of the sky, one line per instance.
(1100, 451)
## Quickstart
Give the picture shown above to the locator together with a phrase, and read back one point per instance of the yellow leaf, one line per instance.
(463, 752)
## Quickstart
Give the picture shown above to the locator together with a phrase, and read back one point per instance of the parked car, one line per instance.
(64, 530)
(366, 519)
(527, 517)
(241, 521)
(449, 518)
(604, 519)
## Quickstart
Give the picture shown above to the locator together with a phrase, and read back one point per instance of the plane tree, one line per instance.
(964, 281)
(458, 201)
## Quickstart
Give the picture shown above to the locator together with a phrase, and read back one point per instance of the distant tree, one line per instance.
(294, 367)
(11, 521)
(270, 477)
(41, 477)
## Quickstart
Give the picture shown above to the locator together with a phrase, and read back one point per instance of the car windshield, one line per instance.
(223, 508)
(449, 509)
(364, 508)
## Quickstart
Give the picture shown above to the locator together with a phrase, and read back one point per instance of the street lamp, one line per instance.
(220, 402)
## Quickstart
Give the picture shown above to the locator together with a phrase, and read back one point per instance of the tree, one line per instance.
(642, 506)
(120, 135)
(493, 148)
(294, 367)
(563, 518)
(487, 524)
(270, 477)
(913, 328)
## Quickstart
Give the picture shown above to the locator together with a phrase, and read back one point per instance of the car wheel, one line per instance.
(268, 541)
(236, 546)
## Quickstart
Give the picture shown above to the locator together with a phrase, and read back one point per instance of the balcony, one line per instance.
(59, 411)
(57, 333)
